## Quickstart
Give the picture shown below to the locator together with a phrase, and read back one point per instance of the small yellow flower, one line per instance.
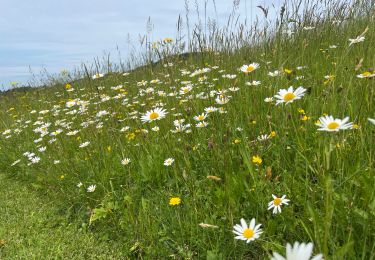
(109, 149)
(168, 40)
(257, 160)
(272, 134)
(62, 177)
(301, 111)
(236, 141)
(175, 201)
(288, 71)
(355, 126)
(68, 86)
(305, 118)
(130, 136)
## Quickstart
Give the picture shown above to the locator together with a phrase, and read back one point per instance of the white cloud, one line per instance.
(59, 34)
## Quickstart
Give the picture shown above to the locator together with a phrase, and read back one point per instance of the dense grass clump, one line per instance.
(102, 142)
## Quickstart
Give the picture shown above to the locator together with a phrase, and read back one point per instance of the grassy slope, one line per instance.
(32, 227)
(328, 177)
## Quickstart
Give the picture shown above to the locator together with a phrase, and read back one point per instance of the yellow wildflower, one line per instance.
(175, 201)
(257, 160)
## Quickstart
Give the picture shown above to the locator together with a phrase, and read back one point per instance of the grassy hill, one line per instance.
(167, 159)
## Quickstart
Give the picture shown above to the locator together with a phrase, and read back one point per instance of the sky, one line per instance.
(56, 35)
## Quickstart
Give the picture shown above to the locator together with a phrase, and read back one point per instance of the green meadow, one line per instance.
(268, 121)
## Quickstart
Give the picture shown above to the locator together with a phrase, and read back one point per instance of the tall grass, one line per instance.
(329, 177)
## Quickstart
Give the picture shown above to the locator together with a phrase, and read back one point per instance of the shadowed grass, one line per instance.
(32, 226)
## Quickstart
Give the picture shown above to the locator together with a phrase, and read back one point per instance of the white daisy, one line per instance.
(155, 129)
(276, 203)
(178, 122)
(366, 74)
(221, 99)
(97, 76)
(210, 109)
(356, 40)
(201, 124)
(274, 73)
(42, 149)
(200, 117)
(268, 99)
(186, 89)
(169, 162)
(289, 95)
(328, 123)
(247, 233)
(263, 138)
(71, 103)
(249, 68)
(84, 144)
(234, 89)
(152, 115)
(298, 252)
(253, 83)
(71, 133)
(91, 188)
(229, 76)
(125, 161)
(181, 128)
(308, 28)
(35, 159)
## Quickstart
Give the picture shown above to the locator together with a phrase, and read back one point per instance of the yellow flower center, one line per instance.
(248, 233)
(333, 125)
(154, 115)
(249, 68)
(366, 74)
(186, 90)
(289, 97)
(277, 202)
(200, 118)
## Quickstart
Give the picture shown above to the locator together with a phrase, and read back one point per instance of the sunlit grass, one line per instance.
(177, 188)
